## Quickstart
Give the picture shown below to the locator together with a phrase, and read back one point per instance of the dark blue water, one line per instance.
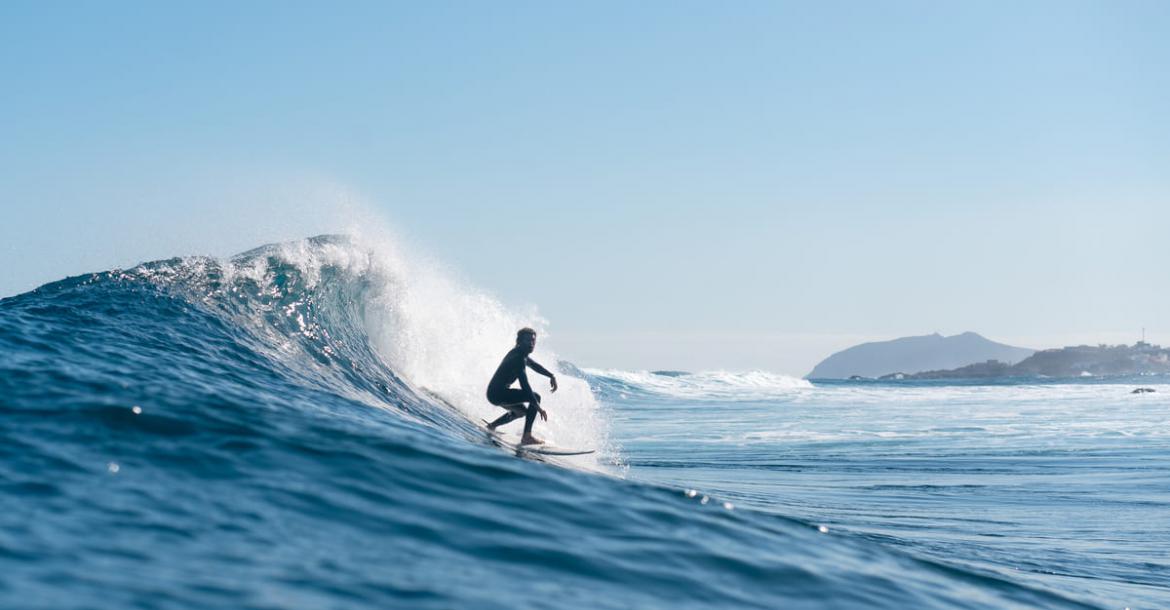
(253, 433)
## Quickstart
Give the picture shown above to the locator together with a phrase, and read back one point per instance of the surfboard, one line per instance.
(511, 441)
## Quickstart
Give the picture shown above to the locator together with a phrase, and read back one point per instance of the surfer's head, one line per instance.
(526, 337)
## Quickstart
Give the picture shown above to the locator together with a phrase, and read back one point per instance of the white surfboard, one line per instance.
(512, 441)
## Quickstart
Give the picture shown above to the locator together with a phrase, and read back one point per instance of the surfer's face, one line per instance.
(528, 342)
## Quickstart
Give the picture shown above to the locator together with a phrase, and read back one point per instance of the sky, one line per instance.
(687, 185)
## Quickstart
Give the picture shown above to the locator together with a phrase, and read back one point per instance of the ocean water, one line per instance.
(296, 427)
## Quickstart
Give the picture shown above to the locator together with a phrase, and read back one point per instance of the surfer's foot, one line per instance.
(531, 440)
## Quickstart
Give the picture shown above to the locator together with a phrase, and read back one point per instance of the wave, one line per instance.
(370, 323)
(702, 386)
(263, 431)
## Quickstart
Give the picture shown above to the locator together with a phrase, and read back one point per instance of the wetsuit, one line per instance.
(499, 392)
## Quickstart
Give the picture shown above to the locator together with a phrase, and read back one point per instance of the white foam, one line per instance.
(444, 335)
(709, 385)
(1050, 415)
(434, 330)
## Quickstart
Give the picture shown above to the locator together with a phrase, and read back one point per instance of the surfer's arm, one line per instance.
(543, 371)
(523, 378)
(539, 369)
(524, 385)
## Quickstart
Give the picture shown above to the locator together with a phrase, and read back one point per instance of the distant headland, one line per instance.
(1140, 358)
(970, 356)
(914, 354)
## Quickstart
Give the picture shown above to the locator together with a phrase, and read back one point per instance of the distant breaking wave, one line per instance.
(712, 385)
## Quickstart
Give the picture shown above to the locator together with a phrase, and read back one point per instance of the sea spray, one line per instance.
(365, 301)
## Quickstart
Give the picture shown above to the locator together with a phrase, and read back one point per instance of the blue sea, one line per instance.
(298, 427)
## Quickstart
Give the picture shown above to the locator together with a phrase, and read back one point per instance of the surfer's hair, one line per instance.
(524, 331)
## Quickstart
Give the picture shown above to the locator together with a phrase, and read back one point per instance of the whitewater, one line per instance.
(297, 427)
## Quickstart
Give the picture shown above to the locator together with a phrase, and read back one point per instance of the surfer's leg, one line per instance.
(514, 412)
(510, 399)
(529, 419)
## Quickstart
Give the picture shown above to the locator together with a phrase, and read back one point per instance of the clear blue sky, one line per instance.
(674, 184)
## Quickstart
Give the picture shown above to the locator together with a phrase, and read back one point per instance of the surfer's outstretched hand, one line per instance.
(543, 415)
(553, 381)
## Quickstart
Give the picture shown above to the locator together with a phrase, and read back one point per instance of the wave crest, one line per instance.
(373, 323)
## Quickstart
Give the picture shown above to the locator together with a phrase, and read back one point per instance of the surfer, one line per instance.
(512, 368)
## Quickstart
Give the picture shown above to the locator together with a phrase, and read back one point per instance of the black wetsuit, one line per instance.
(499, 391)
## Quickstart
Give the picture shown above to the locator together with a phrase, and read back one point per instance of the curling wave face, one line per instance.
(255, 432)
